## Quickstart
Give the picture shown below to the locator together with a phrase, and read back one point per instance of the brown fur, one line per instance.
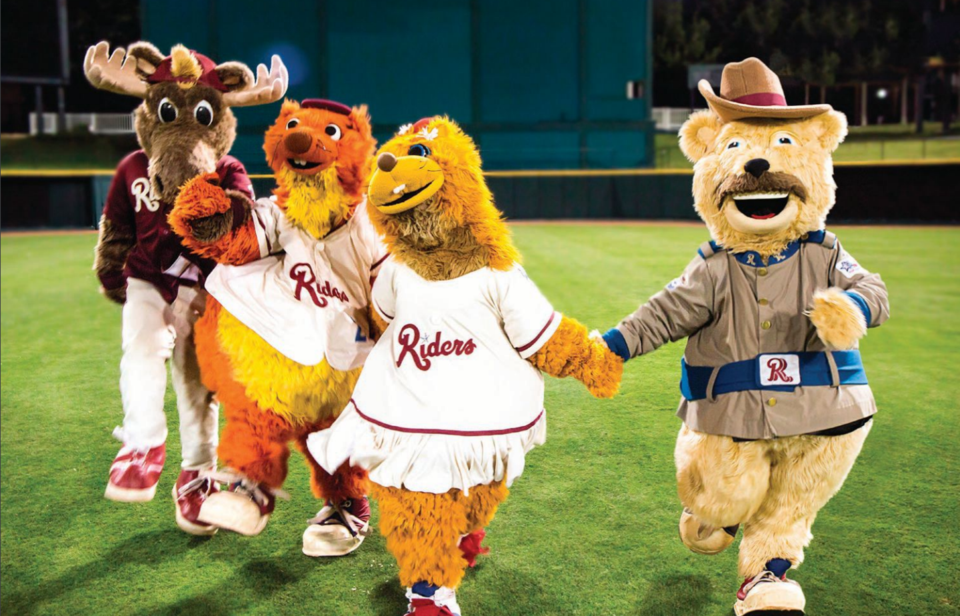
(110, 256)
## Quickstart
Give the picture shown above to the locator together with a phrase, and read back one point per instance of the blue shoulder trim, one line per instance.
(861, 304)
(617, 343)
(816, 237)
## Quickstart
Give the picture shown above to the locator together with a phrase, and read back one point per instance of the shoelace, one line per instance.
(244, 484)
(335, 511)
(764, 577)
(199, 482)
(138, 454)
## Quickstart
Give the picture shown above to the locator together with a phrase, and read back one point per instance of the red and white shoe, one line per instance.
(338, 528)
(135, 473)
(243, 507)
(471, 548)
(768, 593)
(193, 488)
(435, 601)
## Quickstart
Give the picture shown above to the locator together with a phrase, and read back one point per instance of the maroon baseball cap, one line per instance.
(322, 103)
(208, 75)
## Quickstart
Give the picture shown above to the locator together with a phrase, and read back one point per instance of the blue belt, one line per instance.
(814, 371)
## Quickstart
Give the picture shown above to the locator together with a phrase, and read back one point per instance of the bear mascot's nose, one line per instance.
(298, 142)
(757, 167)
(387, 162)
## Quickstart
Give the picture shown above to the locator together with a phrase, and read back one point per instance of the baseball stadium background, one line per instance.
(575, 105)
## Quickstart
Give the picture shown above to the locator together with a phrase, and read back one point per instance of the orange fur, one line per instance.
(423, 530)
(571, 352)
(201, 198)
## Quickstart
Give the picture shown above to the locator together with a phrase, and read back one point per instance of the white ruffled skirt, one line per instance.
(433, 463)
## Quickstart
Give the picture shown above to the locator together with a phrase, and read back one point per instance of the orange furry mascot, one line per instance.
(451, 398)
(287, 326)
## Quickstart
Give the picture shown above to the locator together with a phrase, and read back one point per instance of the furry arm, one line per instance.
(118, 236)
(215, 223)
(571, 352)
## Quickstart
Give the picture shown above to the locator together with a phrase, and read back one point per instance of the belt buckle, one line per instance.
(779, 370)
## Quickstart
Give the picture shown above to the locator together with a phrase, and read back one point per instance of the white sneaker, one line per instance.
(767, 592)
(338, 528)
(702, 538)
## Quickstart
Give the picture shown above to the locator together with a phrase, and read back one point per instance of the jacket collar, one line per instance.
(753, 259)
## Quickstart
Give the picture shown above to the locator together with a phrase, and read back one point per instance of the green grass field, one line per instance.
(590, 528)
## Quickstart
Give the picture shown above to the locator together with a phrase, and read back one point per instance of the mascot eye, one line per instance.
(785, 140)
(334, 131)
(418, 149)
(167, 111)
(204, 113)
(292, 123)
(733, 144)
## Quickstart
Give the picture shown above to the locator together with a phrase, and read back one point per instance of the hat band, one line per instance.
(762, 99)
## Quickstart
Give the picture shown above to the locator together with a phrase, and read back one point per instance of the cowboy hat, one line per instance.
(749, 89)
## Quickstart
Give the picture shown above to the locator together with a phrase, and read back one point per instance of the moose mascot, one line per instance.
(185, 128)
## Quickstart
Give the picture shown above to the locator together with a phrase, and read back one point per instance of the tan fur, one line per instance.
(774, 488)
(704, 140)
(839, 321)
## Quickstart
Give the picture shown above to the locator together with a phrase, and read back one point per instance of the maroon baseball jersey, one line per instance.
(158, 257)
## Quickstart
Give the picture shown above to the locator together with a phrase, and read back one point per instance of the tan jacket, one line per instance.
(736, 308)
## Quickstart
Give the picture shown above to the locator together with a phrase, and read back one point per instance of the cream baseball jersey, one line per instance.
(306, 297)
(454, 358)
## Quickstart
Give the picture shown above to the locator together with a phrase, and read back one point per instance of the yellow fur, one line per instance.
(183, 64)
(704, 139)
(774, 488)
(839, 321)
(317, 204)
(300, 394)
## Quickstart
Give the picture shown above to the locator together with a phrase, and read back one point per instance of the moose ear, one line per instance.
(235, 75)
(698, 133)
(148, 58)
(830, 128)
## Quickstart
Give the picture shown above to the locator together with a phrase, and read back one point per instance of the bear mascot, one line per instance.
(451, 398)
(184, 127)
(775, 401)
(286, 327)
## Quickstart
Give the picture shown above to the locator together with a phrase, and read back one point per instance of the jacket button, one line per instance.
(765, 325)
(762, 271)
(764, 301)
(772, 402)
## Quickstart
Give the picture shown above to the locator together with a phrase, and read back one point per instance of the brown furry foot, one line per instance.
(839, 322)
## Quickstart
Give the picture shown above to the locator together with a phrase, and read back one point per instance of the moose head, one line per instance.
(184, 124)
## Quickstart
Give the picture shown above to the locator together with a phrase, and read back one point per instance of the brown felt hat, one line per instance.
(749, 89)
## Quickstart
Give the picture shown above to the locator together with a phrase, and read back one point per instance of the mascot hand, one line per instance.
(603, 370)
(202, 211)
(839, 322)
(118, 295)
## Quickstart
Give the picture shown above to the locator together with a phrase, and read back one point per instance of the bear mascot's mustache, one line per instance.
(771, 181)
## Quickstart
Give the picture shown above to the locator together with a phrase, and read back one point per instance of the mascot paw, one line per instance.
(118, 295)
(839, 322)
(603, 375)
(202, 210)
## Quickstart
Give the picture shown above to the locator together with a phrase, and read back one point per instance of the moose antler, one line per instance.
(115, 73)
(268, 88)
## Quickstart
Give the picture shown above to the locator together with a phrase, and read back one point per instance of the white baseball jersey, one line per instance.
(306, 297)
(454, 358)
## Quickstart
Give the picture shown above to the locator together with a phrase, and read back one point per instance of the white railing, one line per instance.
(96, 123)
(669, 118)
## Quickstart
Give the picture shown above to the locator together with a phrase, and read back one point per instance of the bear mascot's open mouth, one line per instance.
(761, 198)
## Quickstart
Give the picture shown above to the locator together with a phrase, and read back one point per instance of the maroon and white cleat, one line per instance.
(338, 528)
(191, 491)
(243, 507)
(766, 593)
(134, 474)
(426, 600)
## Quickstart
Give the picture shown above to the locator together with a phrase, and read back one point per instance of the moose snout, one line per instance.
(757, 166)
(386, 162)
(298, 142)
